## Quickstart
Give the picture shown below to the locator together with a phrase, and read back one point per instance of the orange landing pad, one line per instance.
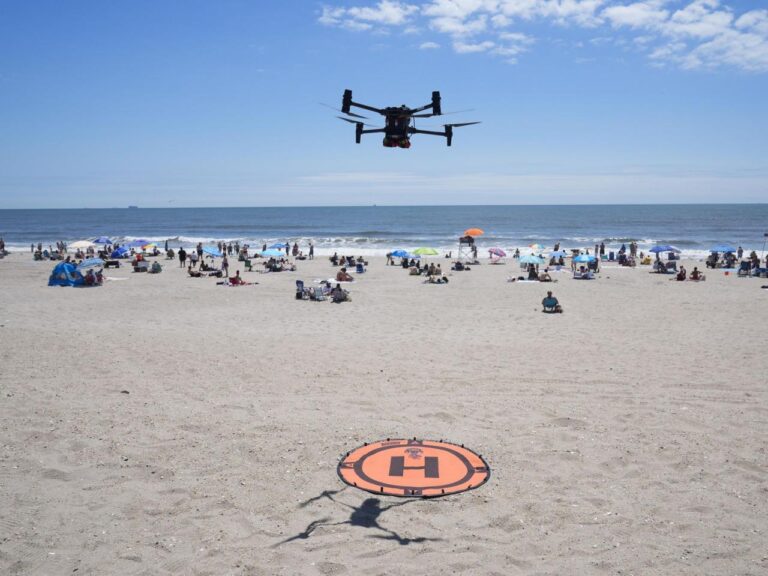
(413, 468)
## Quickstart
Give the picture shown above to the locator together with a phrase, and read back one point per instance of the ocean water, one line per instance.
(373, 230)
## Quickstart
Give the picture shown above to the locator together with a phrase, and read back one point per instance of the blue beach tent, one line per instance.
(212, 251)
(65, 274)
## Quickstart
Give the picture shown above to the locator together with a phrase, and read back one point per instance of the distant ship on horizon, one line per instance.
(133, 207)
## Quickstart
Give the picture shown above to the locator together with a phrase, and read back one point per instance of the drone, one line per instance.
(397, 128)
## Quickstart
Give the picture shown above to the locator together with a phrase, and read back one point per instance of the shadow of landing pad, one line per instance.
(366, 515)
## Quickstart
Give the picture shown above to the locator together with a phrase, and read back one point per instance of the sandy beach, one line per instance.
(162, 424)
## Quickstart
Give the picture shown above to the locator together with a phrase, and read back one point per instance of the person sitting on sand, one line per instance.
(343, 276)
(681, 275)
(236, 280)
(551, 305)
(334, 259)
(193, 273)
(338, 294)
(544, 276)
(90, 279)
(696, 276)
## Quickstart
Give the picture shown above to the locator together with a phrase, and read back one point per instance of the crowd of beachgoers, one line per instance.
(83, 262)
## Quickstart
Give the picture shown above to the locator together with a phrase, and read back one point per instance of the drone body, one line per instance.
(397, 128)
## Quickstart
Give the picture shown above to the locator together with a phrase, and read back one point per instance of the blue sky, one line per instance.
(192, 103)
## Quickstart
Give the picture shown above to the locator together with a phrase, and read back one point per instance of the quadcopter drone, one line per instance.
(397, 128)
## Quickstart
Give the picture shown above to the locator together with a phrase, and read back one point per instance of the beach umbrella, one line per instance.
(497, 252)
(212, 251)
(536, 246)
(103, 240)
(138, 243)
(584, 258)
(425, 252)
(399, 253)
(272, 253)
(120, 252)
(150, 246)
(473, 232)
(81, 244)
(531, 259)
(664, 248)
(278, 246)
(90, 263)
(722, 248)
(558, 254)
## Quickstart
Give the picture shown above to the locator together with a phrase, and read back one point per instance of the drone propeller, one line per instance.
(461, 124)
(430, 114)
(355, 122)
(347, 113)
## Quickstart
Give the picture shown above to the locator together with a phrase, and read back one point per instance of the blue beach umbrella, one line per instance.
(400, 254)
(103, 240)
(558, 254)
(138, 243)
(278, 246)
(584, 258)
(531, 259)
(90, 263)
(271, 253)
(120, 252)
(212, 251)
(664, 248)
(722, 248)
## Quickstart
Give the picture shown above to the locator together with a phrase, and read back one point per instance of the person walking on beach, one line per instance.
(182, 257)
(287, 248)
(311, 251)
(602, 248)
(225, 266)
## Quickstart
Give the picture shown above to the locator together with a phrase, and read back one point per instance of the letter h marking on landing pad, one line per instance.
(397, 466)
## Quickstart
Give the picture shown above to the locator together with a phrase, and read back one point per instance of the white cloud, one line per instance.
(692, 34)
(429, 46)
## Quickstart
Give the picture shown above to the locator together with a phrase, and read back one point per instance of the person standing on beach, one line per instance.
(311, 251)
(602, 248)
(225, 266)
(287, 248)
(199, 251)
(182, 257)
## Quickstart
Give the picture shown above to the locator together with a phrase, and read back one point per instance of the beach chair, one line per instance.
(670, 267)
(248, 265)
(317, 294)
(550, 305)
(141, 266)
(360, 268)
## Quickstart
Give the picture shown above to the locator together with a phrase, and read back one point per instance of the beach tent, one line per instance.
(65, 274)
(121, 252)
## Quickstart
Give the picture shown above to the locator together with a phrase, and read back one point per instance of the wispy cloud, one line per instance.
(429, 46)
(691, 34)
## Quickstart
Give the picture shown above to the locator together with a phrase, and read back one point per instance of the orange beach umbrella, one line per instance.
(473, 232)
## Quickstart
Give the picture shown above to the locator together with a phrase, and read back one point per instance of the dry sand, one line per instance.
(626, 436)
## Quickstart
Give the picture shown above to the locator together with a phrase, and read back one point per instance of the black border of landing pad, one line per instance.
(405, 495)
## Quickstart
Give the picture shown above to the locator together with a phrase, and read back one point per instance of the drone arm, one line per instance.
(432, 132)
(373, 130)
(366, 107)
